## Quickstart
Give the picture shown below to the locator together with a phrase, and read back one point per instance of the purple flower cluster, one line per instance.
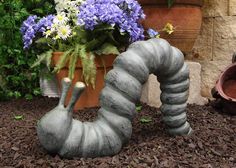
(45, 22)
(31, 27)
(125, 14)
(27, 30)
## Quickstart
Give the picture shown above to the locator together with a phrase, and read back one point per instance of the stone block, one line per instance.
(224, 44)
(232, 7)
(214, 48)
(203, 45)
(215, 8)
(151, 91)
(224, 39)
(210, 73)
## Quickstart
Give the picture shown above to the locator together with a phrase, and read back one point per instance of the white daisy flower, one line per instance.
(61, 5)
(68, 6)
(64, 31)
(60, 19)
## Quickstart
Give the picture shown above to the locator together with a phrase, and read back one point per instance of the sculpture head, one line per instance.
(54, 127)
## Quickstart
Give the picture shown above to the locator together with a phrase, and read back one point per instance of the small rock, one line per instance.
(191, 145)
(231, 159)
(40, 161)
(164, 163)
(199, 144)
(206, 166)
(15, 156)
(15, 148)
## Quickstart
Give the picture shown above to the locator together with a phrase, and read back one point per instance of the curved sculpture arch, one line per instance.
(59, 133)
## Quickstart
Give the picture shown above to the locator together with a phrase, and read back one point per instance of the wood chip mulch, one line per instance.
(212, 145)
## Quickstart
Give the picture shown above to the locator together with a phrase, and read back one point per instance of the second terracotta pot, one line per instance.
(90, 97)
(184, 15)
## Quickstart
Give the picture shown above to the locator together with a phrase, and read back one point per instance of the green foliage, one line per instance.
(170, 3)
(16, 77)
(145, 119)
(84, 46)
(18, 117)
(138, 108)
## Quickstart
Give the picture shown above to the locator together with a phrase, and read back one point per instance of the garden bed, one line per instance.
(213, 143)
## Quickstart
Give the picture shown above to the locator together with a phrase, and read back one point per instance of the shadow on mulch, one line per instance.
(213, 143)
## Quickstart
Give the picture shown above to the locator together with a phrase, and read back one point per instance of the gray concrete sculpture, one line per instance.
(59, 133)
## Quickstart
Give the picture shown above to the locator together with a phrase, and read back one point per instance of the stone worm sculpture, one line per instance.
(59, 133)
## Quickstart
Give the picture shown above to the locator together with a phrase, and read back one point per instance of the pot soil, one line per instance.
(90, 96)
(184, 15)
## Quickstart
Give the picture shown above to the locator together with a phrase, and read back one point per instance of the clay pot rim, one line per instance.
(177, 2)
(219, 83)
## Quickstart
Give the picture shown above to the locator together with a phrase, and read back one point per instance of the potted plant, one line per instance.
(184, 15)
(82, 39)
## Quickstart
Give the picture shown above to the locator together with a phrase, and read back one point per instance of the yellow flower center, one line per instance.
(64, 31)
(48, 32)
(60, 18)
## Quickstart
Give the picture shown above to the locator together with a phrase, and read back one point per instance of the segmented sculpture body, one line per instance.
(59, 133)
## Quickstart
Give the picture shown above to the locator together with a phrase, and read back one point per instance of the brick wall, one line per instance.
(216, 42)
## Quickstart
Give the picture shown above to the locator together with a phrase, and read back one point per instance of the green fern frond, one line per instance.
(93, 70)
(72, 65)
(89, 67)
(63, 60)
(46, 56)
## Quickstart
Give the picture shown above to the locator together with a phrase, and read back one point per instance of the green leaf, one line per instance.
(28, 97)
(145, 120)
(107, 48)
(138, 108)
(96, 42)
(103, 28)
(17, 94)
(72, 65)
(46, 56)
(63, 60)
(2, 83)
(170, 3)
(38, 11)
(18, 117)
(44, 40)
(37, 91)
(80, 34)
(89, 67)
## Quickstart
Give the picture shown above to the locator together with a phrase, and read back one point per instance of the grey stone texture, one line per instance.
(216, 41)
(59, 133)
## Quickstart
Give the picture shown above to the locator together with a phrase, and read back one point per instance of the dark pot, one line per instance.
(225, 89)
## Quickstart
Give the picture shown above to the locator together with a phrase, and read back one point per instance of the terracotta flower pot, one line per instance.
(90, 97)
(184, 15)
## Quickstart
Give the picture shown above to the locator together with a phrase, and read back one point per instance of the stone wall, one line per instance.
(216, 42)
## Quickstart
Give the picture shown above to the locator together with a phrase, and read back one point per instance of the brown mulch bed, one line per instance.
(213, 143)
